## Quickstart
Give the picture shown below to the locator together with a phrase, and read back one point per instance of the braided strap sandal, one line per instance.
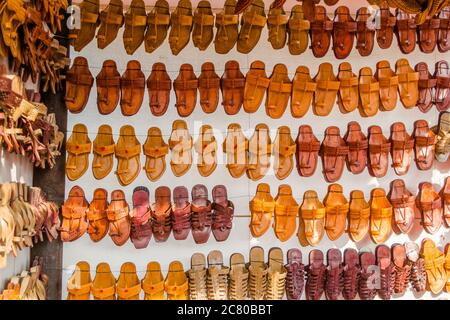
(153, 282)
(258, 270)
(315, 276)
(295, 277)
(217, 277)
(104, 283)
(181, 213)
(197, 278)
(276, 275)
(351, 276)
(402, 269)
(366, 288)
(418, 274)
(79, 284)
(238, 278)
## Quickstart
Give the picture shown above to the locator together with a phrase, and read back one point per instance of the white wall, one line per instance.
(241, 190)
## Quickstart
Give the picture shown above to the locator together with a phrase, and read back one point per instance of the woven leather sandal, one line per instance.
(208, 88)
(321, 28)
(403, 204)
(181, 21)
(201, 216)
(78, 148)
(262, 208)
(162, 214)
(202, 31)
(104, 283)
(141, 224)
(223, 212)
(380, 216)
(111, 20)
(303, 88)
(74, 223)
(89, 10)
(315, 276)
(357, 145)
(425, 145)
(217, 277)
(388, 83)
(79, 82)
(119, 218)
(256, 84)
(327, 89)
(311, 227)
(351, 275)
(180, 144)
(277, 21)
(96, 214)
(348, 95)
(238, 278)
(79, 284)
(260, 150)
(235, 146)
(197, 278)
(284, 149)
(128, 284)
(295, 278)
(159, 86)
(103, 149)
(418, 275)
(298, 30)
(379, 148)
(387, 276)
(108, 87)
(429, 204)
(128, 150)
(334, 283)
(442, 130)
(232, 85)
(358, 218)
(402, 269)
(153, 282)
(252, 22)
(276, 275)
(434, 266)
(176, 283)
(181, 213)
(402, 145)
(337, 208)
(206, 148)
(307, 155)
(366, 289)
(158, 21)
(155, 150)
(227, 24)
(258, 270)
(135, 25)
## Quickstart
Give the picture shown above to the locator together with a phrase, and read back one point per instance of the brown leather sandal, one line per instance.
(408, 83)
(74, 223)
(119, 219)
(388, 83)
(155, 150)
(162, 214)
(444, 30)
(321, 28)
(108, 87)
(385, 32)
(429, 203)
(277, 21)
(445, 195)
(158, 22)
(259, 152)
(380, 216)
(334, 279)
(428, 34)
(201, 217)
(185, 86)
(235, 147)
(78, 148)
(365, 37)
(96, 214)
(111, 20)
(202, 31)
(279, 92)
(344, 29)
(386, 267)
(358, 217)
(427, 85)
(180, 144)
(402, 145)
(315, 276)
(442, 76)
(132, 88)
(89, 20)
(206, 148)
(311, 227)
(284, 149)
(348, 95)
(405, 30)
(357, 144)
(262, 208)
(79, 81)
(327, 89)
(103, 149)
(181, 25)
(298, 31)
(337, 208)
(159, 86)
(128, 150)
(223, 212)
(425, 144)
(252, 22)
(286, 212)
(227, 24)
(208, 88)
(369, 93)
(403, 204)
(256, 84)
(333, 152)
(232, 85)
(379, 148)
(303, 88)
(135, 25)
(307, 155)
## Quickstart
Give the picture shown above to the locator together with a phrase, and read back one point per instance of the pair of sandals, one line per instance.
(434, 89)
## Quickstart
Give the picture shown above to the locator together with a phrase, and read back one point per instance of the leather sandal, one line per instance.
(444, 28)
(79, 284)
(235, 147)
(176, 283)
(153, 282)
(252, 22)
(358, 217)
(155, 150)
(442, 76)
(351, 274)
(162, 214)
(197, 277)
(111, 20)
(403, 206)
(429, 204)
(311, 227)
(383, 256)
(258, 270)
(103, 150)
(286, 211)
(344, 29)
(135, 25)
(276, 275)
(74, 223)
(365, 37)
(141, 226)
(303, 88)
(128, 150)
(181, 213)
(348, 95)
(232, 85)
(315, 275)
(427, 86)
(337, 209)
(380, 216)
(298, 31)
(434, 265)
(447, 267)
(158, 22)
(327, 89)
(385, 32)
(132, 88)
(208, 88)
(217, 277)
(402, 145)
(388, 83)
(279, 92)
(181, 21)
(223, 212)
(401, 269)
(405, 30)
(321, 28)
(206, 148)
(203, 23)
(445, 195)
(227, 24)
(284, 150)
(379, 148)
(357, 148)
(262, 208)
(334, 283)
(369, 93)
(307, 153)
(79, 82)
(334, 151)
(277, 23)
(259, 152)
(96, 214)
(128, 284)
(425, 143)
(238, 278)
(89, 20)
(119, 219)
(185, 86)
(366, 289)
(180, 144)
(408, 83)
(443, 135)
(428, 34)
(78, 148)
(295, 278)
(108, 88)
(104, 283)
(201, 216)
(256, 84)
(159, 86)
(418, 275)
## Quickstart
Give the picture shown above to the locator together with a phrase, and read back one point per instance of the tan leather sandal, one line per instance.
(132, 85)
(104, 283)
(153, 282)
(238, 278)
(206, 148)
(96, 215)
(89, 20)
(348, 95)
(369, 93)
(258, 274)
(208, 88)
(408, 83)
(298, 31)
(286, 211)
(303, 88)
(279, 92)
(262, 208)
(197, 277)
(276, 275)
(111, 20)
(311, 227)
(252, 22)
(277, 21)
(128, 284)
(180, 144)
(358, 217)
(235, 147)
(79, 283)
(337, 209)
(108, 87)
(79, 81)
(202, 31)
(388, 82)
(158, 22)
(128, 150)
(380, 216)
(227, 24)
(327, 89)
(181, 25)
(232, 85)
(284, 150)
(159, 86)
(217, 277)
(103, 148)
(78, 148)
(155, 150)
(185, 86)
(259, 152)
(135, 25)
(256, 84)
